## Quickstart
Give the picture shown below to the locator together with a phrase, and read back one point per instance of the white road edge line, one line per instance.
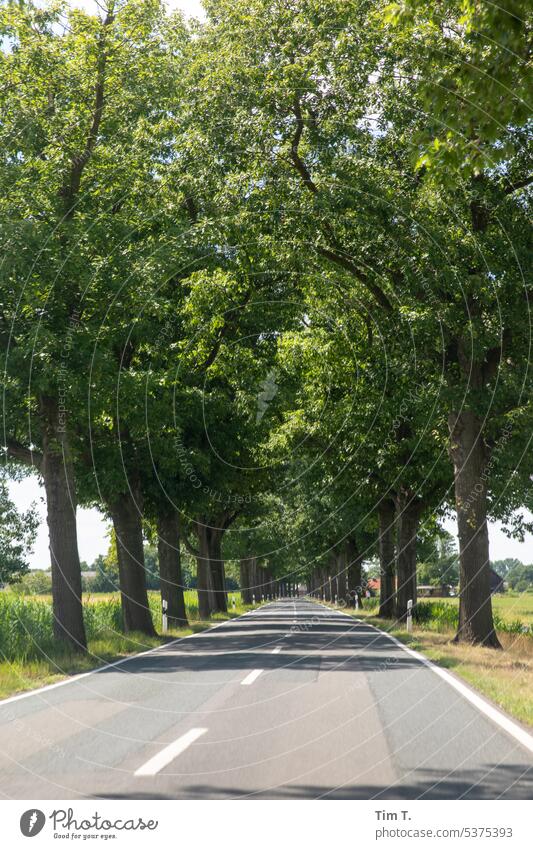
(73, 678)
(169, 753)
(251, 677)
(512, 728)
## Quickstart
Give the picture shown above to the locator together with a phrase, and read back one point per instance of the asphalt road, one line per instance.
(292, 701)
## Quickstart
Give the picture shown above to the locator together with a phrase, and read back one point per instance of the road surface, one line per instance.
(292, 701)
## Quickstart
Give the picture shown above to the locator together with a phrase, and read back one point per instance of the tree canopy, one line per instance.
(265, 292)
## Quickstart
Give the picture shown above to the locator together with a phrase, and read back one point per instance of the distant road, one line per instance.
(292, 701)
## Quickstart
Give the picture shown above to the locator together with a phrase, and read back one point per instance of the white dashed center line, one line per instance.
(166, 755)
(251, 677)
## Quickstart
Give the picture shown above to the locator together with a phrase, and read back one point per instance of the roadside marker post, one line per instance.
(409, 616)
(164, 627)
(233, 602)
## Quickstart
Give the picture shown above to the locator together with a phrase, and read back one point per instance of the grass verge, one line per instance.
(47, 663)
(505, 677)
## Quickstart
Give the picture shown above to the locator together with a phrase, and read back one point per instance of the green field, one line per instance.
(30, 657)
(510, 607)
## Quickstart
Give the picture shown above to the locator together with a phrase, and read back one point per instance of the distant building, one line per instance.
(443, 591)
(430, 591)
(373, 584)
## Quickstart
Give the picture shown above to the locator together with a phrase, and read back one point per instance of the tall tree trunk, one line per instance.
(323, 584)
(59, 483)
(218, 574)
(327, 583)
(130, 551)
(254, 579)
(168, 547)
(262, 587)
(315, 582)
(342, 573)
(244, 571)
(409, 509)
(387, 558)
(270, 586)
(476, 624)
(354, 568)
(206, 596)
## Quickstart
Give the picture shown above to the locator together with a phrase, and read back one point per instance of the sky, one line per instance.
(93, 528)
(92, 525)
(190, 7)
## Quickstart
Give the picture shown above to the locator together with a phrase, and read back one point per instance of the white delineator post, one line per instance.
(409, 615)
(234, 605)
(164, 626)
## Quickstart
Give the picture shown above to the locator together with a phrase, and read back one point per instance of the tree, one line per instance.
(74, 112)
(439, 562)
(506, 566)
(477, 180)
(17, 535)
(422, 247)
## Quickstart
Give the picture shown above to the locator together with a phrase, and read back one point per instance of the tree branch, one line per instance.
(518, 184)
(349, 265)
(297, 160)
(71, 186)
(229, 322)
(230, 518)
(191, 208)
(19, 452)
(493, 357)
(337, 254)
(186, 542)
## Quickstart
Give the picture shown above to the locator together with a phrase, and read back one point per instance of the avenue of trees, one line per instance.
(265, 293)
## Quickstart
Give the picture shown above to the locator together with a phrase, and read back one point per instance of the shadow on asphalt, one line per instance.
(343, 646)
(494, 781)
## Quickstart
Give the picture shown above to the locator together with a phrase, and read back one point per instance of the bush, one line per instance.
(26, 625)
(36, 582)
(436, 613)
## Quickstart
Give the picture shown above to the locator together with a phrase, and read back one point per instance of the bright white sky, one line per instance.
(92, 526)
(190, 7)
